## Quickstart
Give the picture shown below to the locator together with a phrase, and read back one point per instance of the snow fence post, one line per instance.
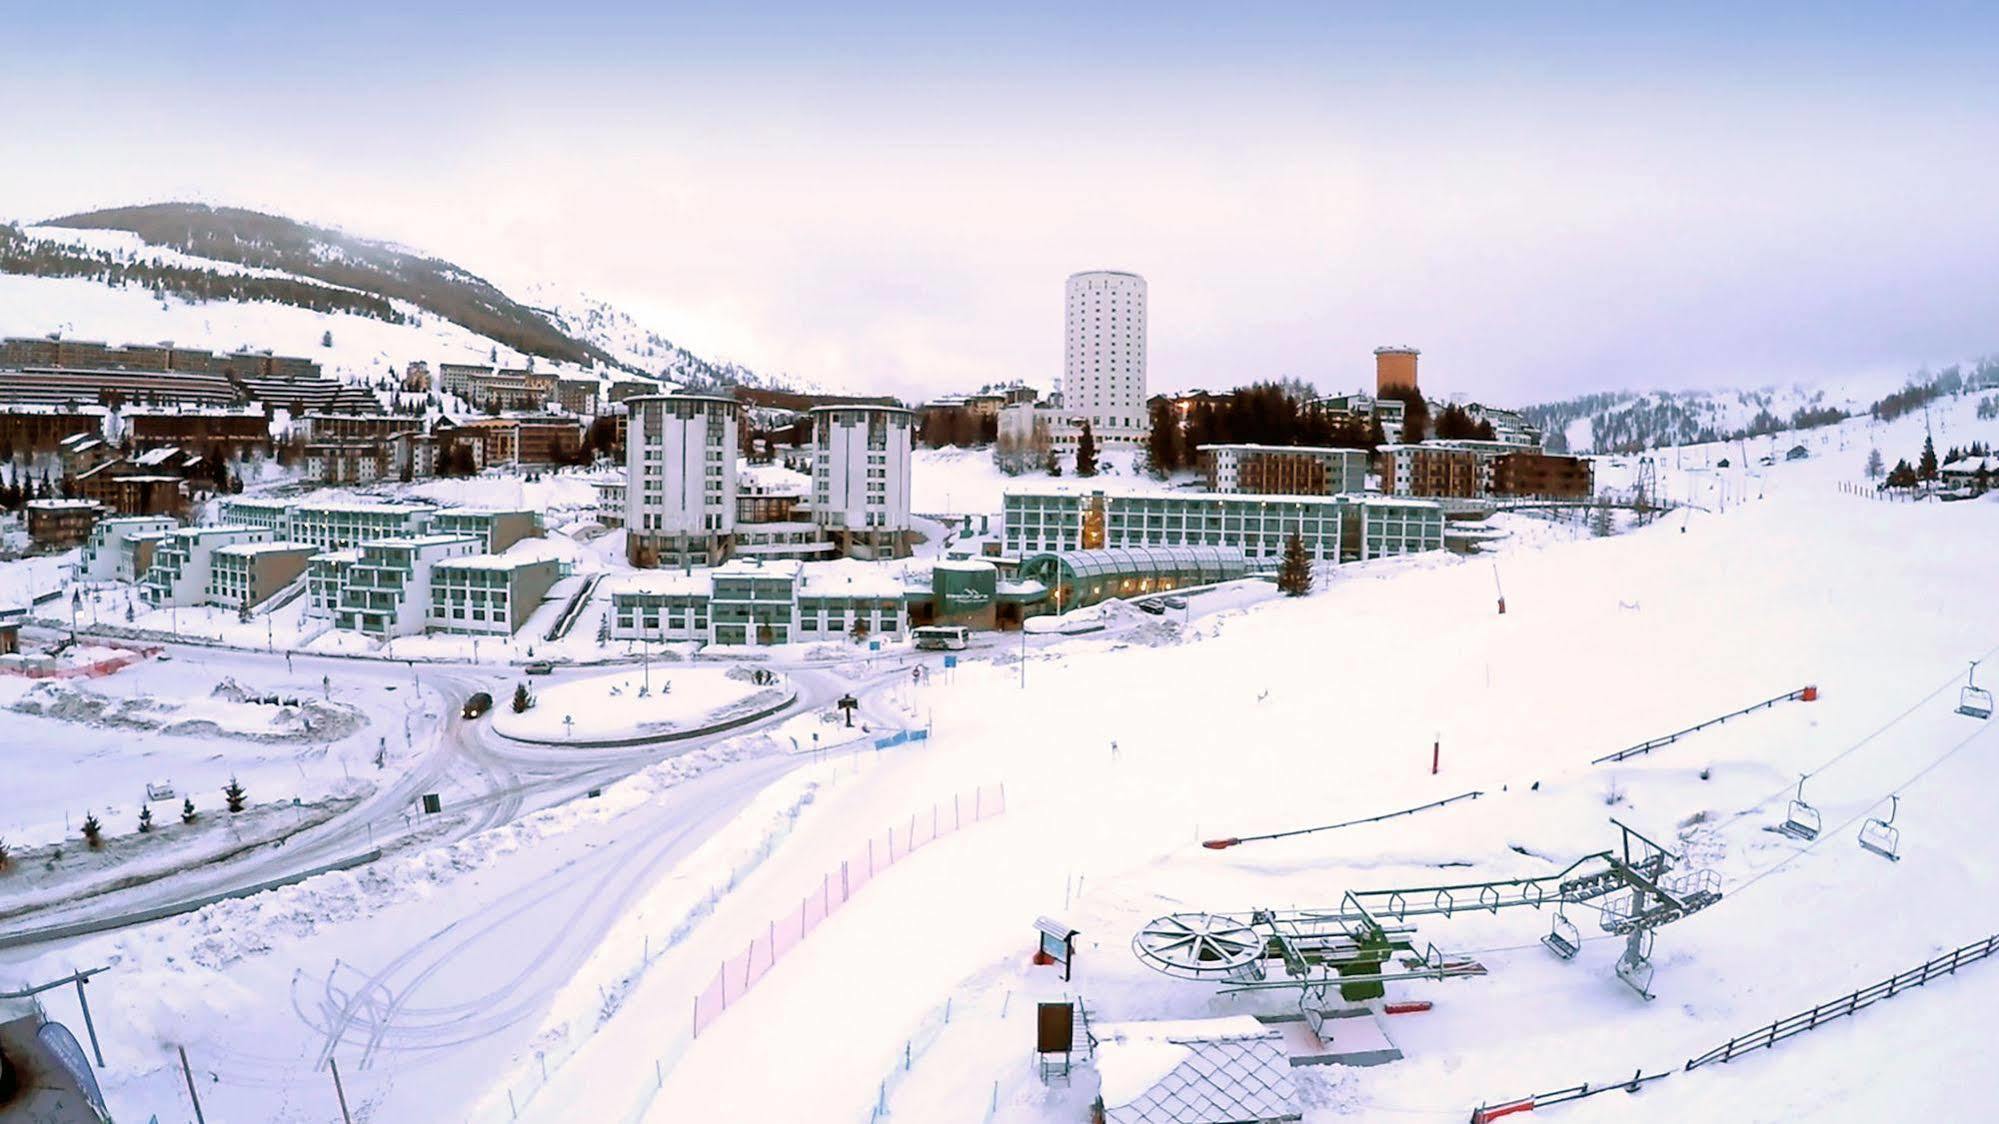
(844, 891)
(957, 817)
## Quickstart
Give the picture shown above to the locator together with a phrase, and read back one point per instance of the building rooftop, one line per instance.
(419, 541)
(253, 548)
(1317, 449)
(61, 505)
(363, 508)
(847, 577)
(492, 562)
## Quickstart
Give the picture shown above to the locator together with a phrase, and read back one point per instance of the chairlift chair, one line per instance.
(1882, 836)
(1634, 967)
(1801, 820)
(1974, 701)
(1563, 940)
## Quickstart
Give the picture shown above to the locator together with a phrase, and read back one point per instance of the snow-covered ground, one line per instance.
(637, 703)
(546, 968)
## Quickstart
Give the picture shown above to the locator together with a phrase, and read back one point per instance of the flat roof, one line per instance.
(250, 548)
(420, 540)
(492, 562)
(353, 508)
(1283, 448)
(858, 406)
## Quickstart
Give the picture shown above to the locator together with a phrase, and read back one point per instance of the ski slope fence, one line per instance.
(975, 1009)
(737, 975)
(1765, 1037)
(37, 667)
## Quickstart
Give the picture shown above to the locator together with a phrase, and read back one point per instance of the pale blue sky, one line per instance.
(1545, 199)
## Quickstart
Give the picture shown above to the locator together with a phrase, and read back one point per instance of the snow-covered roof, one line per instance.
(963, 565)
(504, 562)
(847, 577)
(351, 554)
(251, 548)
(347, 508)
(420, 541)
(61, 505)
(660, 582)
(774, 479)
(740, 568)
(1201, 1071)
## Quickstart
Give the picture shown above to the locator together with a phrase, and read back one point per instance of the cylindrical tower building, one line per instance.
(1394, 369)
(860, 478)
(680, 467)
(1103, 369)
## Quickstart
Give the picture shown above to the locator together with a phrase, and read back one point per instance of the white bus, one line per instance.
(941, 637)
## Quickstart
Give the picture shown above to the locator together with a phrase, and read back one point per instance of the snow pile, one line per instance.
(230, 712)
(638, 704)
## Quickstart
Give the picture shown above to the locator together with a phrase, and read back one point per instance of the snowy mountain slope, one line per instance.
(238, 280)
(1619, 421)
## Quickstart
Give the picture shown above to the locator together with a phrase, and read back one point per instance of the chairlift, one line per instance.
(1974, 701)
(1801, 820)
(1563, 940)
(1882, 836)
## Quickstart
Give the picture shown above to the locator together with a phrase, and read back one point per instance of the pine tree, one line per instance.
(235, 795)
(1926, 468)
(1086, 452)
(1053, 464)
(145, 820)
(1294, 570)
(187, 812)
(1874, 466)
(3, 853)
(1162, 444)
(521, 699)
(93, 831)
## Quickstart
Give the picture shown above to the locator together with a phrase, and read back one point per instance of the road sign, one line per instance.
(950, 662)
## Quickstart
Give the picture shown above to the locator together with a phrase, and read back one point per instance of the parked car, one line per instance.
(1174, 602)
(478, 704)
(1153, 607)
(539, 667)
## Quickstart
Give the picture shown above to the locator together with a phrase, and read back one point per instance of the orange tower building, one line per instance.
(1394, 369)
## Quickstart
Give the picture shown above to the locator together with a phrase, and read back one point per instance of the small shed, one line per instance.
(1196, 1071)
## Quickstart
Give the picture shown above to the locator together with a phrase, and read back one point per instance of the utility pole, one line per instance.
(191, 1094)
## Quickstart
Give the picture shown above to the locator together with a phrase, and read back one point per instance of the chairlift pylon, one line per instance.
(1634, 967)
(1801, 820)
(1974, 701)
(1882, 836)
(1563, 940)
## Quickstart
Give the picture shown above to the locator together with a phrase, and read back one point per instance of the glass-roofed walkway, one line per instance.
(1076, 578)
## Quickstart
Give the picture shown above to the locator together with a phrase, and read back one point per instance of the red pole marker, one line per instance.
(1436, 756)
(1220, 844)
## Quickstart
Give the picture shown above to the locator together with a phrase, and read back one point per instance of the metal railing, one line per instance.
(1765, 1037)
(1655, 743)
(1761, 1038)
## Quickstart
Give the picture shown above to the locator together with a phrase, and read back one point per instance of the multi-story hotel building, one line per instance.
(860, 478)
(680, 495)
(1103, 368)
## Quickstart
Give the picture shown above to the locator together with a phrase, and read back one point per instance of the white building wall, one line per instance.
(1103, 370)
(680, 464)
(860, 471)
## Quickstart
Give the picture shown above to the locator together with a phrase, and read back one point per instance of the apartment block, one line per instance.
(1281, 470)
(113, 553)
(61, 524)
(387, 590)
(486, 593)
(184, 558)
(245, 575)
(497, 529)
(1055, 520)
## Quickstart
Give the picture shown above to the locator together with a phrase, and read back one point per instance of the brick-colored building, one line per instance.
(1277, 470)
(1429, 470)
(232, 433)
(327, 427)
(61, 524)
(577, 396)
(126, 492)
(496, 388)
(1530, 473)
(26, 430)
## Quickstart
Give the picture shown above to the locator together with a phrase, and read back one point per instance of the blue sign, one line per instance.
(63, 1047)
(950, 662)
(874, 645)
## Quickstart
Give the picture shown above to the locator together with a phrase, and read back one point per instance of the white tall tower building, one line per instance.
(680, 479)
(860, 478)
(1103, 369)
